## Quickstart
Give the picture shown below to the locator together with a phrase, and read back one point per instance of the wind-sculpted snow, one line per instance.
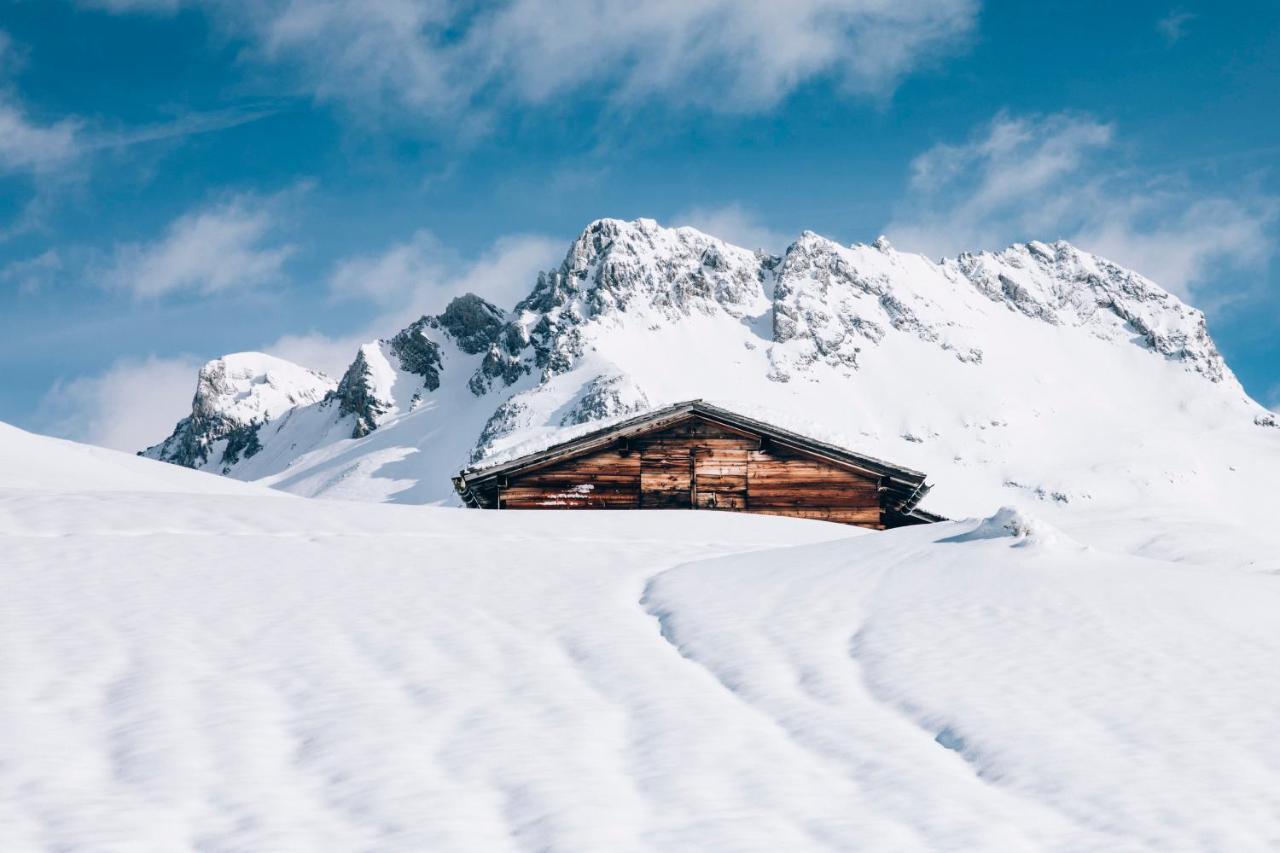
(1040, 376)
(195, 663)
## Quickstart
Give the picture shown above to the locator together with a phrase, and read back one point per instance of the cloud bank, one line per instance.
(1056, 176)
(446, 59)
(225, 246)
(130, 405)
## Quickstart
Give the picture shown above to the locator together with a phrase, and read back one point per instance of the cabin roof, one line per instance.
(904, 486)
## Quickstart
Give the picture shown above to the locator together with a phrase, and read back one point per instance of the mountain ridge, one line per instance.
(639, 315)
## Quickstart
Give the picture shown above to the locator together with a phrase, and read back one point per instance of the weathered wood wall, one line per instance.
(704, 465)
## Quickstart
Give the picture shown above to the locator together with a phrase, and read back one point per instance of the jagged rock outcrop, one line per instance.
(357, 395)
(634, 272)
(607, 396)
(236, 395)
(830, 302)
(510, 415)
(473, 323)
(1060, 284)
(418, 354)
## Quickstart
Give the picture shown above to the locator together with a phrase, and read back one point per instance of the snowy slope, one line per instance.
(248, 672)
(38, 463)
(1040, 376)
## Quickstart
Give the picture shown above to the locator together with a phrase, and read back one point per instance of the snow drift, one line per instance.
(206, 670)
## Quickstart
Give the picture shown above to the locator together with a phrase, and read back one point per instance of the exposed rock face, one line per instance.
(502, 361)
(235, 396)
(1062, 285)
(830, 302)
(473, 323)
(506, 419)
(607, 397)
(357, 396)
(634, 272)
(418, 354)
(375, 386)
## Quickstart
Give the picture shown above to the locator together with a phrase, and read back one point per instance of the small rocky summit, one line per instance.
(235, 396)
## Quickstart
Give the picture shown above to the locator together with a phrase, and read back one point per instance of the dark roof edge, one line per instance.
(914, 480)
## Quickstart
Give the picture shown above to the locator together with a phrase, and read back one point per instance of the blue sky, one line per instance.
(180, 179)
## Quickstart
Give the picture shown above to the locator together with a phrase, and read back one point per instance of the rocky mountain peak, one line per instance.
(870, 340)
(235, 395)
(1064, 285)
(474, 323)
(357, 394)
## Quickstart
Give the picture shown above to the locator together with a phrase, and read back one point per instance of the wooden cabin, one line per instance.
(698, 456)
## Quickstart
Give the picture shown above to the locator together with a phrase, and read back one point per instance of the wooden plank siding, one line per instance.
(606, 479)
(696, 463)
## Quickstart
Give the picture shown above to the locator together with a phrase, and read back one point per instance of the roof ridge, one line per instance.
(593, 438)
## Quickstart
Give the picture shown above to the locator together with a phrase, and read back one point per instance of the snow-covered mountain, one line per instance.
(1040, 374)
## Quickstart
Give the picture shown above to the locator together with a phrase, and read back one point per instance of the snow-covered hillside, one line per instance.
(1040, 376)
(192, 663)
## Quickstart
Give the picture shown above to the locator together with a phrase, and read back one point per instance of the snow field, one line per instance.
(185, 668)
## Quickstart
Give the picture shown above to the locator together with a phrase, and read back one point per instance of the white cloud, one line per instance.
(27, 144)
(222, 247)
(330, 354)
(388, 277)
(1189, 242)
(422, 274)
(448, 59)
(32, 274)
(131, 405)
(508, 270)
(737, 225)
(1049, 177)
(1173, 26)
(417, 277)
(120, 6)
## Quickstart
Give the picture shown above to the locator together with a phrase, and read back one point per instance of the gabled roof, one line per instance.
(904, 487)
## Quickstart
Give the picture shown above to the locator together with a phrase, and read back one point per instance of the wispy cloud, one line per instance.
(421, 273)
(448, 60)
(162, 6)
(32, 274)
(231, 245)
(28, 145)
(1173, 26)
(191, 123)
(735, 224)
(128, 406)
(1056, 176)
(53, 156)
(417, 276)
